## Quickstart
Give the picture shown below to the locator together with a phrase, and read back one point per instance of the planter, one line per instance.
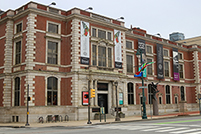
(122, 115)
(97, 116)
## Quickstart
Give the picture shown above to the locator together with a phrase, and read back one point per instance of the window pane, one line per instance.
(181, 71)
(149, 68)
(109, 57)
(109, 35)
(53, 28)
(94, 55)
(52, 91)
(128, 44)
(19, 28)
(93, 32)
(165, 52)
(18, 53)
(129, 61)
(149, 49)
(17, 92)
(101, 56)
(52, 52)
(182, 94)
(166, 68)
(130, 93)
(102, 34)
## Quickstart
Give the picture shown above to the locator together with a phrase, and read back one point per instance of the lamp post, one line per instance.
(27, 123)
(117, 110)
(144, 116)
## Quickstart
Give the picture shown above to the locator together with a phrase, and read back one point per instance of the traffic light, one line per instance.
(29, 98)
(92, 93)
(86, 96)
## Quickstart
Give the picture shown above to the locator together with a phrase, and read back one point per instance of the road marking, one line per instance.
(195, 133)
(157, 128)
(185, 131)
(179, 121)
(172, 129)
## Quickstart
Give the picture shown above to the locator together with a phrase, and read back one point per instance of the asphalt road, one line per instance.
(182, 125)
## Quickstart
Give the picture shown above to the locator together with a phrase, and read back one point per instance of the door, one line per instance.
(103, 102)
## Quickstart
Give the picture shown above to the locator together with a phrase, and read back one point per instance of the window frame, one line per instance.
(17, 91)
(164, 52)
(15, 31)
(150, 67)
(168, 69)
(51, 22)
(129, 65)
(181, 72)
(52, 91)
(167, 95)
(184, 94)
(180, 56)
(150, 93)
(132, 46)
(130, 86)
(97, 33)
(14, 51)
(151, 48)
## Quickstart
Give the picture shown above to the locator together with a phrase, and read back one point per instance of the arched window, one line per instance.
(182, 93)
(150, 94)
(167, 91)
(17, 92)
(130, 93)
(52, 91)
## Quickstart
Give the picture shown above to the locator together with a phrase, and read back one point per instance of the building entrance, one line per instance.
(103, 101)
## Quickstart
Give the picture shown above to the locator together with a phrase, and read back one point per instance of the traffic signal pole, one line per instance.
(27, 123)
(89, 94)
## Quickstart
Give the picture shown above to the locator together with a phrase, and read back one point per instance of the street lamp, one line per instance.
(144, 116)
(89, 8)
(117, 110)
(53, 3)
(122, 18)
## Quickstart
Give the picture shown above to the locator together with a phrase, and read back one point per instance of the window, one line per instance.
(129, 62)
(53, 10)
(160, 100)
(101, 34)
(93, 32)
(128, 44)
(19, 28)
(18, 52)
(176, 99)
(52, 91)
(52, 52)
(109, 36)
(130, 93)
(167, 91)
(180, 56)
(166, 68)
(149, 68)
(141, 99)
(181, 71)
(182, 93)
(53, 28)
(94, 62)
(165, 53)
(150, 94)
(102, 56)
(109, 57)
(17, 92)
(149, 49)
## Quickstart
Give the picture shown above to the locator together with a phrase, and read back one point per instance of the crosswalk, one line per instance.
(154, 128)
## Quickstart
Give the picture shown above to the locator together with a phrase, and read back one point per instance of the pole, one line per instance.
(27, 123)
(89, 122)
(150, 103)
(117, 115)
(199, 106)
(144, 116)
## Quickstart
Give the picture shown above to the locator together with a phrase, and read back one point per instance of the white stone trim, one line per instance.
(59, 26)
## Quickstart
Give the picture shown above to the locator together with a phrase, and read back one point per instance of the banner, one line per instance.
(175, 64)
(121, 100)
(142, 46)
(84, 43)
(159, 51)
(117, 42)
(85, 100)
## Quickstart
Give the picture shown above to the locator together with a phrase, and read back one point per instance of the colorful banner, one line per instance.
(175, 64)
(121, 100)
(84, 43)
(142, 46)
(117, 42)
(159, 51)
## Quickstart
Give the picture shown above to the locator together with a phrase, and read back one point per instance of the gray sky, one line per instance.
(154, 16)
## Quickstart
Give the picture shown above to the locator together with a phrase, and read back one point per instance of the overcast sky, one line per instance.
(154, 16)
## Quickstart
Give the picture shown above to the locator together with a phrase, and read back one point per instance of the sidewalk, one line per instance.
(97, 122)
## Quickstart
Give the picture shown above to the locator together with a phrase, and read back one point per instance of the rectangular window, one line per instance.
(128, 44)
(160, 100)
(17, 91)
(19, 28)
(53, 28)
(109, 37)
(149, 49)
(101, 56)
(180, 57)
(94, 62)
(18, 52)
(166, 68)
(167, 94)
(93, 32)
(181, 73)
(176, 99)
(149, 68)
(129, 62)
(165, 53)
(101, 34)
(109, 57)
(52, 52)
(130, 93)
(53, 10)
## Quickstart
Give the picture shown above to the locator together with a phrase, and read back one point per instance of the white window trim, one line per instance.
(170, 94)
(168, 52)
(102, 30)
(161, 99)
(133, 62)
(183, 70)
(14, 53)
(13, 92)
(132, 44)
(16, 27)
(151, 49)
(59, 50)
(151, 66)
(168, 67)
(58, 90)
(59, 27)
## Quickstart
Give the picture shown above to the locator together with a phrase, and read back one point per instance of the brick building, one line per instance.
(61, 54)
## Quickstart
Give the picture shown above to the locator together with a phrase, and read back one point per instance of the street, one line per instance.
(180, 125)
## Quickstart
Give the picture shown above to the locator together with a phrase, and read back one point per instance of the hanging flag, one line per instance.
(143, 67)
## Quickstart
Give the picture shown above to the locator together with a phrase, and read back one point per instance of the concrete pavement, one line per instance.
(97, 122)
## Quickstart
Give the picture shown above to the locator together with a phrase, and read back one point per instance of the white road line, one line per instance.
(195, 133)
(185, 131)
(172, 129)
(157, 128)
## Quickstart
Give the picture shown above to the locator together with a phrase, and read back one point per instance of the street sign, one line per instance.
(199, 96)
(142, 87)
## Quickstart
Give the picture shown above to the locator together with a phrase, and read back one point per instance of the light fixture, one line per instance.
(158, 34)
(53, 3)
(89, 8)
(122, 18)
